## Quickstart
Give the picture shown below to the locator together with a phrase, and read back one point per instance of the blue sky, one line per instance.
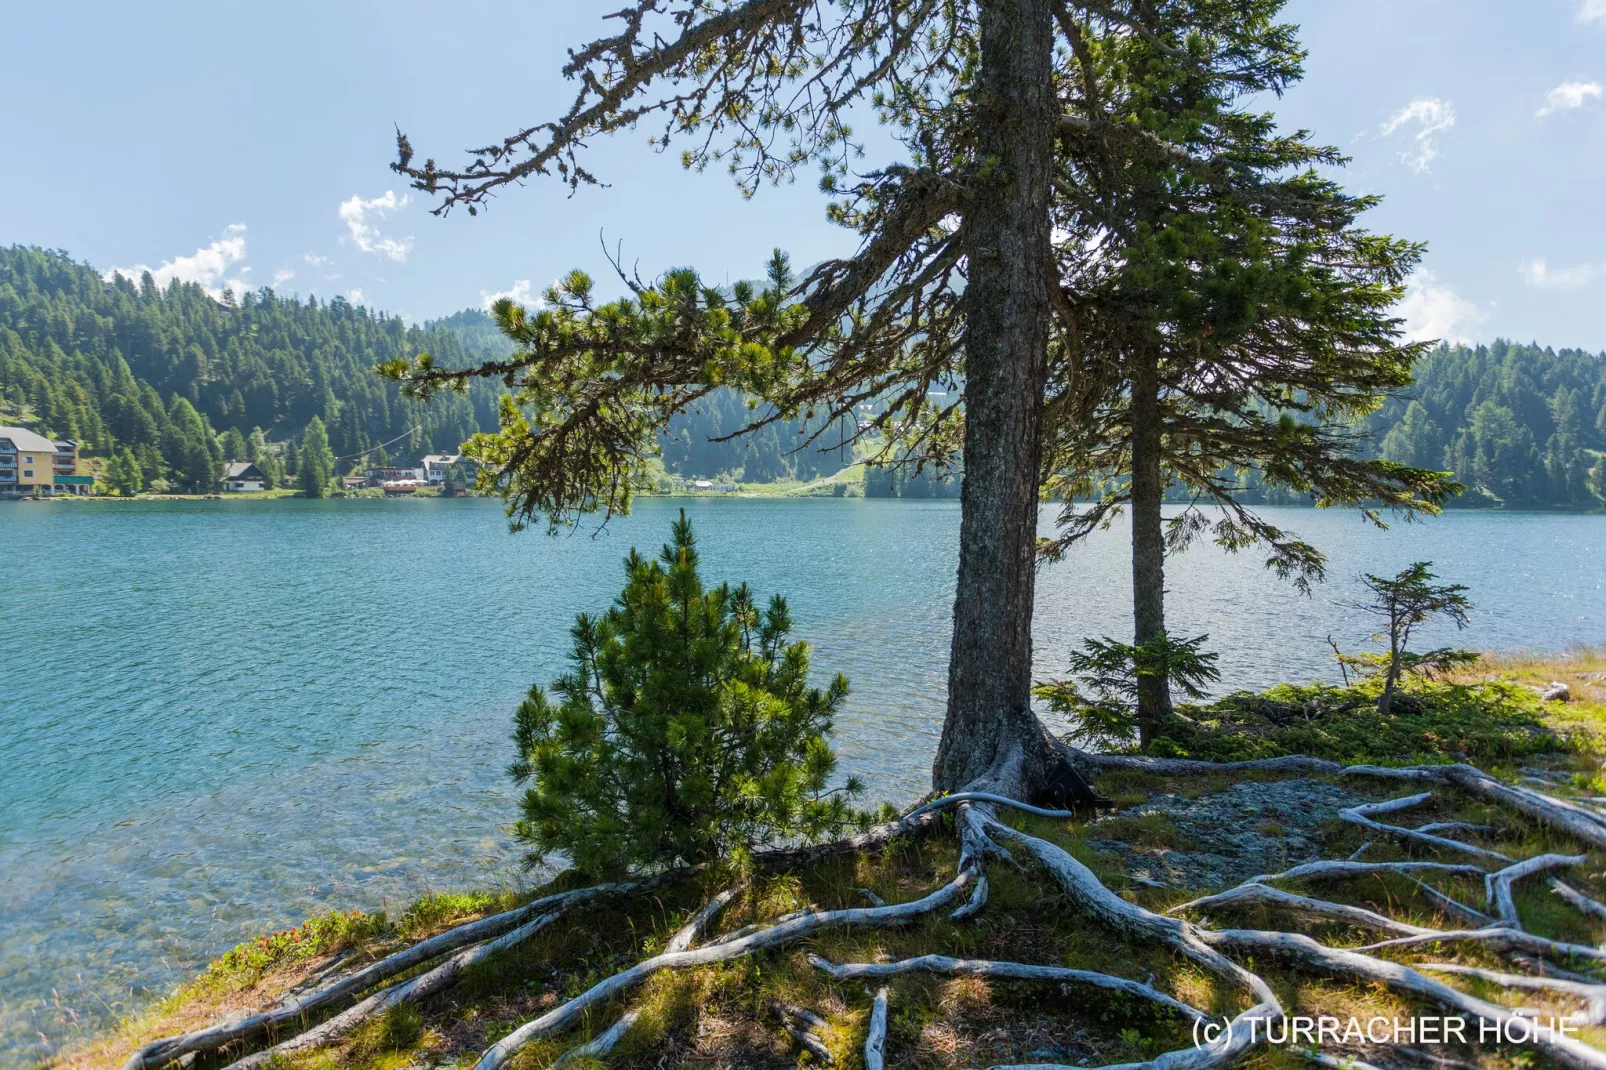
(228, 142)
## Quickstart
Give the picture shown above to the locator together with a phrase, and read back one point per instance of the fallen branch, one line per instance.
(1594, 995)
(1006, 971)
(1497, 885)
(503, 1050)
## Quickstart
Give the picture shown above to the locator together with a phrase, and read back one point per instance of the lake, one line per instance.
(217, 718)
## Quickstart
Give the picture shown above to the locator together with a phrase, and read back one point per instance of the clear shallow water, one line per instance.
(217, 718)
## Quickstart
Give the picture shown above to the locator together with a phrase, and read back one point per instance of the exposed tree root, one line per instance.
(410, 991)
(775, 936)
(982, 836)
(1314, 871)
(1363, 816)
(213, 1038)
(800, 1023)
(1309, 955)
(1592, 907)
(1498, 885)
(1453, 905)
(1586, 824)
(1594, 995)
(875, 1041)
(683, 940)
(1007, 971)
(1265, 895)
(1501, 937)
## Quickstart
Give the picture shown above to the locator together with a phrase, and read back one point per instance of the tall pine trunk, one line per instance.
(1007, 306)
(1148, 541)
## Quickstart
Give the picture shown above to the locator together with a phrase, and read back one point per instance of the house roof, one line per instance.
(242, 470)
(442, 458)
(24, 439)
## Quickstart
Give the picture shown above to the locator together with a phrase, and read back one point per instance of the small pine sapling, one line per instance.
(1103, 710)
(1402, 602)
(684, 732)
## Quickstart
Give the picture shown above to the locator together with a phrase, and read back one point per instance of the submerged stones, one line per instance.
(1223, 838)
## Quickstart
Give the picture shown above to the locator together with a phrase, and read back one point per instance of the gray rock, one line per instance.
(1233, 832)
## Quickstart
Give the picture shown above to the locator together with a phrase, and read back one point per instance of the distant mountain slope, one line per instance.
(120, 364)
(164, 373)
(1519, 425)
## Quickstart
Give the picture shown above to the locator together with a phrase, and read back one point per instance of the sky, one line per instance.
(248, 145)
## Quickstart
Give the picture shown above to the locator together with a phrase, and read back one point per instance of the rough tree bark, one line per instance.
(1148, 541)
(1006, 351)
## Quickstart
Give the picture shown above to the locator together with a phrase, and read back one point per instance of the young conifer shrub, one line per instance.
(685, 730)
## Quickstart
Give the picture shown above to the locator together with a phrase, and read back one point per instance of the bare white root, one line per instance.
(1007, 971)
(1306, 953)
(1453, 905)
(410, 991)
(1497, 885)
(503, 1050)
(875, 1041)
(213, 1038)
(1265, 895)
(1594, 995)
(1499, 936)
(1363, 816)
(604, 1042)
(800, 1023)
(1317, 871)
(688, 934)
(973, 905)
(1592, 907)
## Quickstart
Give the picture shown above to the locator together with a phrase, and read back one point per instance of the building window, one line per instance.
(28, 473)
(27, 460)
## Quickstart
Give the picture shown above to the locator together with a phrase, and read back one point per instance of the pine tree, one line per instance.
(953, 283)
(123, 476)
(316, 467)
(685, 731)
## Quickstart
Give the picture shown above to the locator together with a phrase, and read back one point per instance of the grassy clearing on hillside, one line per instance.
(724, 1015)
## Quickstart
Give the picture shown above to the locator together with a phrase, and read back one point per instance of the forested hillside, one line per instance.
(182, 381)
(1519, 425)
(162, 372)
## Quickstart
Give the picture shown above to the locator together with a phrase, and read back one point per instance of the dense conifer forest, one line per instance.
(184, 381)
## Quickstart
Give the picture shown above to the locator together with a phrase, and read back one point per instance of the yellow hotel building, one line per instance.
(34, 466)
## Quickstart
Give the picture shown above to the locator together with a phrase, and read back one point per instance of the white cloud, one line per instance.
(315, 260)
(1592, 11)
(1431, 310)
(1432, 117)
(1537, 273)
(208, 267)
(519, 294)
(1569, 95)
(282, 276)
(357, 214)
(355, 296)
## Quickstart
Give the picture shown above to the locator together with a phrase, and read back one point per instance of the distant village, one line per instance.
(33, 466)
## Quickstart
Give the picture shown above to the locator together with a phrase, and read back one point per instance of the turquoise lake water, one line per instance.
(219, 717)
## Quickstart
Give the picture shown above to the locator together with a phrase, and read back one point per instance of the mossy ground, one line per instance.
(724, 1015)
